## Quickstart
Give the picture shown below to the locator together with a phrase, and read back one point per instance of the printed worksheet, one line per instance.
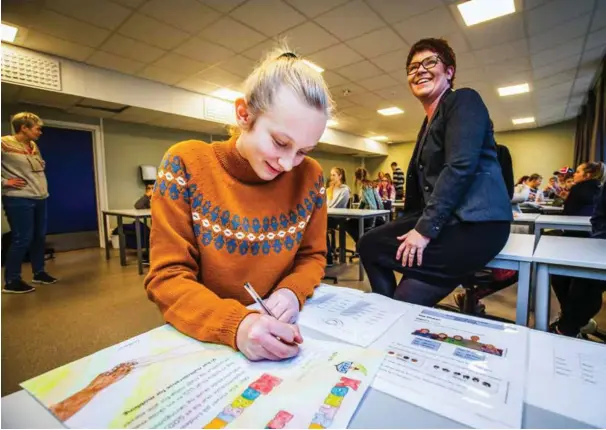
(468, 369)
(164, 379)
(350, 315)
(567, 376)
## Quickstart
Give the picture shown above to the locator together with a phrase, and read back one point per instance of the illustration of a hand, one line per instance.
(105, 379)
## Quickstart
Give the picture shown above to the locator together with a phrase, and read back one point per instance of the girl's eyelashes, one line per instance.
(278, 143)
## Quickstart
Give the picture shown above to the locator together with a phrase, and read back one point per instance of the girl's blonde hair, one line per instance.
(595, 170)
(282, 67)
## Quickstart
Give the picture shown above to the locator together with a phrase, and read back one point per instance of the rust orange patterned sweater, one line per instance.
(216, 225)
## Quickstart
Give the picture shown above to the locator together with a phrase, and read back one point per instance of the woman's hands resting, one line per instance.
(262, 337)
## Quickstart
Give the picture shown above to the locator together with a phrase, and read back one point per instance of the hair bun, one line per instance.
(288, 55)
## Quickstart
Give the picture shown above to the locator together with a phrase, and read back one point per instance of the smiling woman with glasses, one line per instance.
(457, 210)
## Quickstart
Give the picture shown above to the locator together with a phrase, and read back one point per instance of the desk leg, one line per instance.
(122, 241)
(342, 241)
(542, 294)
(106, 235)
(139, 251)
(360, 233)
(523, 294)
(537, 236)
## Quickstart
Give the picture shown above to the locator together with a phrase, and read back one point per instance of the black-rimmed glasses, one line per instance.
(427, 63)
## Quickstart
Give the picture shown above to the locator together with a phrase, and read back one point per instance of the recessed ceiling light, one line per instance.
(8, 33)
(227, 94)
(331, 123)
(513, 90)
(379, 138)
(314, 66)
(477, 11)
(390, 111)
(527, 120)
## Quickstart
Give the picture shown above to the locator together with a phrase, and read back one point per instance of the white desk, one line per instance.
(517, 255)
(568, 256)
(546, 209)
(560, 222)
(360, 215)
(120, 214)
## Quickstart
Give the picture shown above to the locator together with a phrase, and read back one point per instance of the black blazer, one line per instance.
(598, 220)
(454, 175)
(582, 197)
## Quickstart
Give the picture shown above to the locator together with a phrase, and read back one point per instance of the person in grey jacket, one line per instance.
(457, 210)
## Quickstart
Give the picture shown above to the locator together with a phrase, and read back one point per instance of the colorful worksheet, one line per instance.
(468, 369)
(567, 377)
(164, 379)
(351, 315)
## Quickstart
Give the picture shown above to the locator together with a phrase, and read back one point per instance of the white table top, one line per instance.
(564, 220)
(553, 209)
(129, 212)
(397, 205)
(519, 247)
(356, 213)
(522, 217)
(571, 251)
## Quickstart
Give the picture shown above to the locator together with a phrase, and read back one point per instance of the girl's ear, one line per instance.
(243, 115)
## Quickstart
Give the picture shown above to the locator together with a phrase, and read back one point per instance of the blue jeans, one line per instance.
(27, 219)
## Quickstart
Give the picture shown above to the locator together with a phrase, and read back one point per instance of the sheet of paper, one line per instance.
(567, 376)
(164, 379)
(350, 315)
(468, 369)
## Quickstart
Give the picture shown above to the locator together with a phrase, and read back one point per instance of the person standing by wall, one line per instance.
(398, 180)
(24, 194)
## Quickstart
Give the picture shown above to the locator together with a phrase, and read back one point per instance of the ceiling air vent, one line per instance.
(30, 70)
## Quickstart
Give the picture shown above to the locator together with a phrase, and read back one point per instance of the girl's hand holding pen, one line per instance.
(262, 337)
(284, 305)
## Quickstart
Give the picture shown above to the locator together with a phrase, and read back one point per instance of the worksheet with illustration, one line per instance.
(164, 379)
(351, 315)
(468, 369)
(567, 377)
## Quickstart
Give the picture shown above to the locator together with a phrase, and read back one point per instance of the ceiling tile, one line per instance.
(378, 82)
(581, 85)
(548, 56)
(466, 60)
(239, 65)
(114, 62)
(258, 52)
(153, 32)
(593, 56)
(435, 23)
(552, 38)
(218, 76)
(362, 70)
(188, 15)
(508, 68)
(360, 112)
(101, 104)
(343, 103)
(469, 76)
(457, 42)
(332, 79)
(368, 99)
(599, 16)
(377, 42)
(495, 32)
(394, 10)
(281, 18)
(502, 52)
(554, 13)
(308, 38)
(97, 113)
(130, 48)
(160, 74)
(67, 28)
(132, 4)
(596, 39)
(224, 6)
(101, 13)
(238, 37)
(198, 85)
(313, 8)
(398, 92)
(52, 45)
(531, 4)
(554, 79)
(556, 67)
(335, 56)
(179, 63)
(393, 61)
(349, 87)
(201, 50)
(350, 20)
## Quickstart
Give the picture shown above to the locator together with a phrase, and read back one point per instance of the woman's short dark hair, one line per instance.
(441, 48)
(535, 177)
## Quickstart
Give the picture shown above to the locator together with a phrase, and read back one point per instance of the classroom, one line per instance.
(303, 214)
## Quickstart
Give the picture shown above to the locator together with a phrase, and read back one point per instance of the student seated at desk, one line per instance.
(580, 299)
(588, 179)
(145, 201)
(337, 193)
(458, 210)
(386, 189)
(369, 199)
(251, 209)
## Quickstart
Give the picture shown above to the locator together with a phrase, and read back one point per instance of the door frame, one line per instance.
(98, 165)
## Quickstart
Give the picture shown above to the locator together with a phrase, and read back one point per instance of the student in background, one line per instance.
(339, 191)
(457, 212)
(522, 180)
(588, 178)
(251, 209)
(369, 199)
(386, 189)
(24, 199)
(568, 184)
(145, 201)
(552, 189)
(398, 180)
(534, 184)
